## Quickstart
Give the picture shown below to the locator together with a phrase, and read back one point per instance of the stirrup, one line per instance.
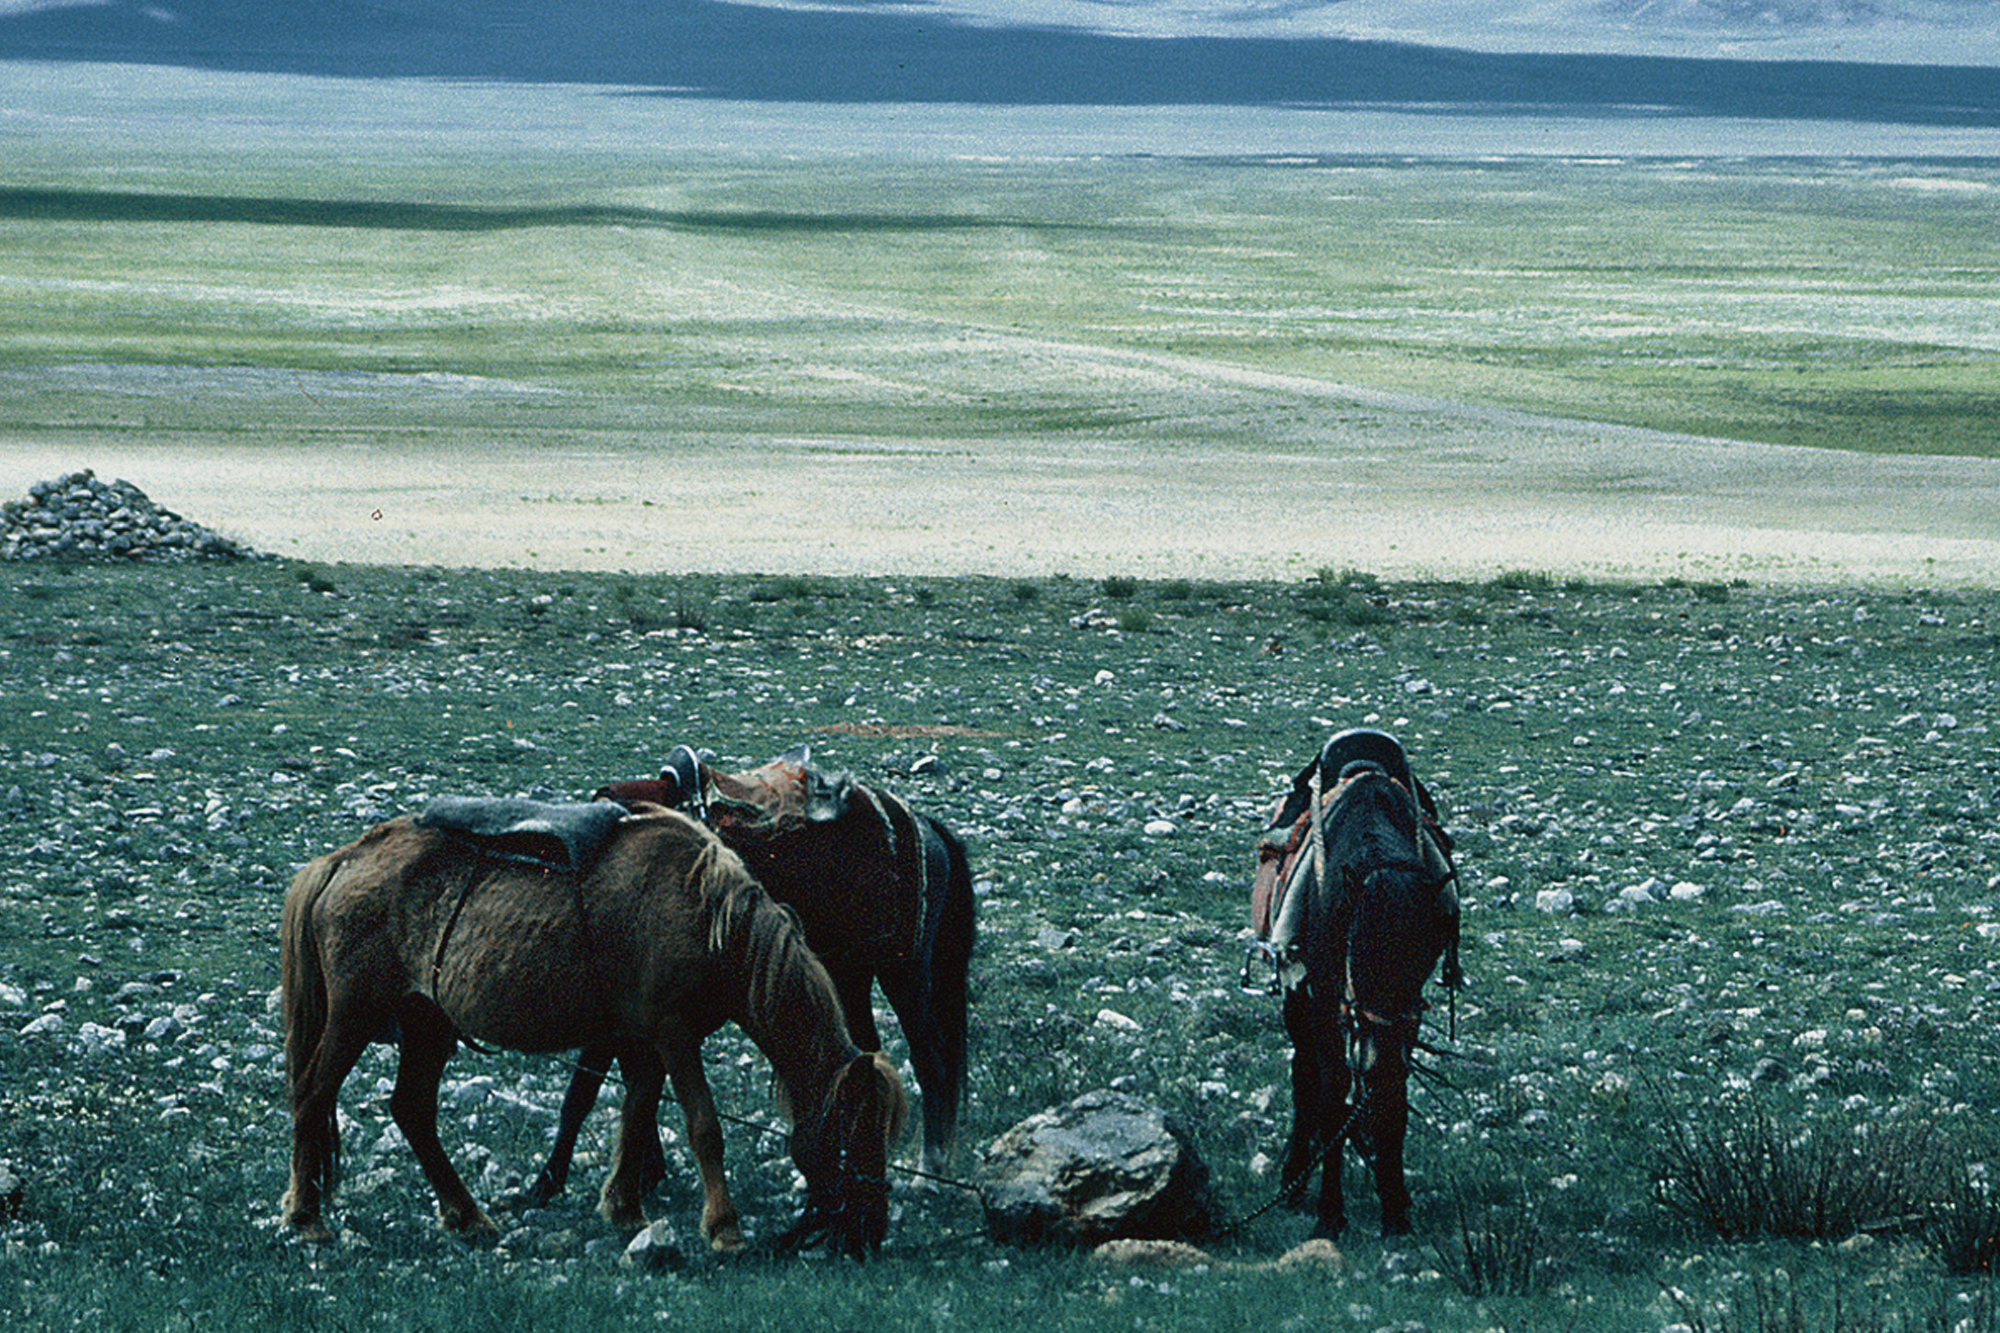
(1265, 950)
(684, 766)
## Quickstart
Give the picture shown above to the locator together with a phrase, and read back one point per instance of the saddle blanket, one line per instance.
(567, 836)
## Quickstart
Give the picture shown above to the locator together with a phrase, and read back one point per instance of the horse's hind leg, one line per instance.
(315, 1129)
(428, 1041)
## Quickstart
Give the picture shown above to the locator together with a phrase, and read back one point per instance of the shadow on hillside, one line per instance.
(43, 205)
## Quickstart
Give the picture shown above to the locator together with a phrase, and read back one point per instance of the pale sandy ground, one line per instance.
(1420, 489)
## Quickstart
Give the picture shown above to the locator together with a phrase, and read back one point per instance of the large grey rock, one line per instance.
(656, 1248)
(1107, 1166)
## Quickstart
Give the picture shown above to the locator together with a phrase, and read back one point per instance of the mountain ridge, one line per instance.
(711, 48)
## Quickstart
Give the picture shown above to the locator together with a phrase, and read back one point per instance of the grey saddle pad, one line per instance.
(567, 836)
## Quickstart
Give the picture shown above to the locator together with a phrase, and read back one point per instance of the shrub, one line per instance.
(789, 588)
(1500, 1247)
(1779, 1302)
(1739, 1173)
(1348, 577)
(1344, 607)
(1120, 588)
(1522, 580)
(314, 579)
(1964, 1223)
(1135, 620)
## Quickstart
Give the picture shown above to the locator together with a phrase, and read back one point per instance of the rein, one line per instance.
(1286, 1193)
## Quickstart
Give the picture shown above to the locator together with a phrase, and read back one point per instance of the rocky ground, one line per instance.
(1754, 825)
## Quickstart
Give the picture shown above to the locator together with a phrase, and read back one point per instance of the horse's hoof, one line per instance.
(1395, 1227)
(536, 1195)
(312, 1232)
(469, 1226)
(622, 1213)
(727, 1240)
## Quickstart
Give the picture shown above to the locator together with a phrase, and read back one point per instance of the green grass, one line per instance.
(1824, 303)
(1814, 768)
(174, 741)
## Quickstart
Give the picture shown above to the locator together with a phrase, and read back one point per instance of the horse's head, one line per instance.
(1404, 921)
(843, 1152)
(785, 793)
(1399, 904)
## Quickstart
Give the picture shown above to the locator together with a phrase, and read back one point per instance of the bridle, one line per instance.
(845, 1201)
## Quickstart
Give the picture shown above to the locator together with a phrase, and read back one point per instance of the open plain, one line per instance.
(446, 324)
(1075, 479)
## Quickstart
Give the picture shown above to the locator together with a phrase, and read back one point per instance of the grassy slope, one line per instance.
(1837, 304)
(1820, 764)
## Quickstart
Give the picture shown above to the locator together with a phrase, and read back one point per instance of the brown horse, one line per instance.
(885, 895)
(649, 947)
(1366, 906)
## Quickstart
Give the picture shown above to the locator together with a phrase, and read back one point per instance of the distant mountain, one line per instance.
(1916, 32)
(881, 54)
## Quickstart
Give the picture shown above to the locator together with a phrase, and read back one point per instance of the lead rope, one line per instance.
(1319, 1162)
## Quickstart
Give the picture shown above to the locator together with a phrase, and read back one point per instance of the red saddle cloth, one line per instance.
(1278, 850)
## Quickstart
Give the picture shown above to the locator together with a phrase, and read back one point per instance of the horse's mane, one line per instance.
(787, 993)
(1372, 784)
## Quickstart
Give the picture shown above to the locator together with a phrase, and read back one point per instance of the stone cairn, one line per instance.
(78, 517)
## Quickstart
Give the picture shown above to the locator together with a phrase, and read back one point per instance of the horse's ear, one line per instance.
(826, 797)
(871, 1070)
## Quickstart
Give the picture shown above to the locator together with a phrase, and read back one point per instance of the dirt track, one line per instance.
(1416, 488)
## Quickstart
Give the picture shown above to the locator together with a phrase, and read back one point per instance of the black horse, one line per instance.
(1365, 907)
(885, 896)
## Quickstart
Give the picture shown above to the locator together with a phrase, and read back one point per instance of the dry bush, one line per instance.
(1740, 1173)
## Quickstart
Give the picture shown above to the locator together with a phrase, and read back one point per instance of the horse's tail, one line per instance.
(868, 1090)
(951, 960)
(303, 989)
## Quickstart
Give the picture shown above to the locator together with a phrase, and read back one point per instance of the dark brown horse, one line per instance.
(647, 949)
(884, 893)
(1365, 907)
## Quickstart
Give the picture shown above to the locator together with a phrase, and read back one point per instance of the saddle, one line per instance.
(555, 836)
(784, 796)
(679, 786)
(1283, 847)
(787, 792)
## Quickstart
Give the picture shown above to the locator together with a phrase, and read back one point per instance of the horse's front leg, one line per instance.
(428, 1040)
(1319, 1109)
(1388, 1124)
(719, 1222)
(638, 1138)
(909, 995)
